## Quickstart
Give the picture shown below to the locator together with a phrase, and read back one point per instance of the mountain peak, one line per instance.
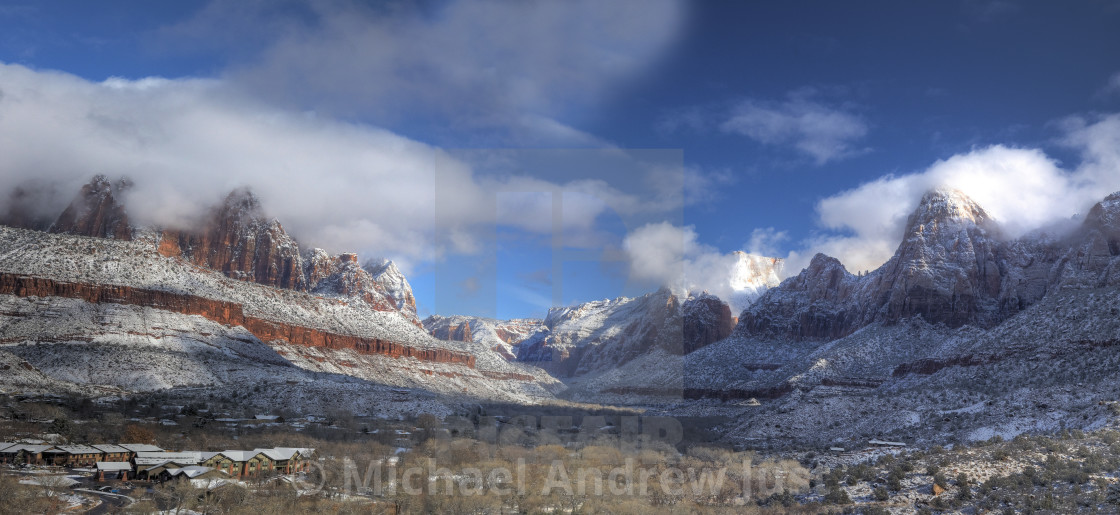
(242, 201)
(946, 205)
(390, 279)
(95, 211)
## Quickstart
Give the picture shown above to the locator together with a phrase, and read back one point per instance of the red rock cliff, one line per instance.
(222, 312)
(240, 242)
(96, 212)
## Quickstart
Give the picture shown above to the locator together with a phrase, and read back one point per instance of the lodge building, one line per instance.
(150, 463)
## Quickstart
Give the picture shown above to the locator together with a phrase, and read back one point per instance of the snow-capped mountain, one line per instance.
(95, 211)
(500, 335)
(237, 239)
(952, 267)
(600, 335)
(751, 276)
(392, 282)
(231, 303)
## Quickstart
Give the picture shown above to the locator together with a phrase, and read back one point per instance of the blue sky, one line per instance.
(784, 128)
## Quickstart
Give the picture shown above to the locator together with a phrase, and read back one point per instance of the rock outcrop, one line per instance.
(342, 276)
(239, 241)
(601, 335)
(393, 284)
(751, 276)
(96, 211)
(705, 320)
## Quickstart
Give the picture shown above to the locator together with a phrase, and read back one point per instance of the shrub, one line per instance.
(837, 495)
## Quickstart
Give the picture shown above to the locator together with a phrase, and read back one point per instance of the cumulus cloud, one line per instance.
(1024, 189)
(515, 68)
(823, 132)
(766, 241)
(672, 256)
(347, 187)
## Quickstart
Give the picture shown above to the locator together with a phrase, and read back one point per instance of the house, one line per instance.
(72, 456)
(149, 465)
(881, 443)
(288, 460)
(4, 458)
(110, 452)
(240, 464)
(108, 470)
(192, 472)
(31, 454)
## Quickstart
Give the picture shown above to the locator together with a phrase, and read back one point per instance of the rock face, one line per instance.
(502, 336)
(96, 212)
(751, 276)
(1090, 260)
(602, 335)
(239, 241)
(705, 320)
(235, 238)
(947, 269)
(342, 276)
(953, 267)
(392, 282)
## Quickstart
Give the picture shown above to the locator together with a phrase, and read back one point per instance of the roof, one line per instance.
(141, 447)
(148, 467)
(5, 445)
(191, 472)
(240, 455)
(33, 449)
(113, 466)
(158, 458)
(292, 451)
(78, 449)
(110, 448)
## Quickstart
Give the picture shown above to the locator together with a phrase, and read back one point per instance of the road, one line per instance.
(110, 503)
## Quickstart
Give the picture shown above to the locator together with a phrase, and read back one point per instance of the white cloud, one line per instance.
(766, 241)
(1024, 189)
(672, 256)
(517, 68)
(347, 187)
(1113, 86)
(823, 132)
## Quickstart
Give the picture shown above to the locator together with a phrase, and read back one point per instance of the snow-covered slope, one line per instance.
(391, 281)
(500, 335)
(598, 336)
(952, 267)
(80, 298)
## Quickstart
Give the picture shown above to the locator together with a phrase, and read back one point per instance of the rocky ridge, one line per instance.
(597, 336)
(503, 336)
(952, 267)
(237, 239)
